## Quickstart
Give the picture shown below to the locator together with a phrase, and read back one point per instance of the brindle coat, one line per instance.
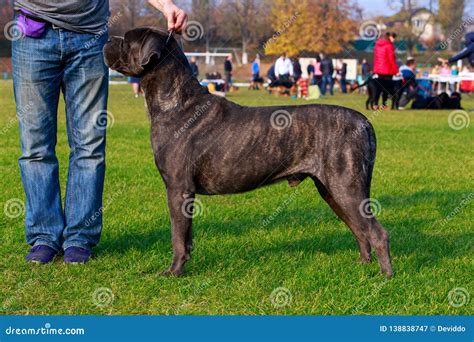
(204, 144)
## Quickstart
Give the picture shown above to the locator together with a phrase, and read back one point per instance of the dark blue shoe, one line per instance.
(41, 254)
(76, 255)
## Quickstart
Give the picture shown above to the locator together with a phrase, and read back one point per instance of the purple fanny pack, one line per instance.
(30, 26)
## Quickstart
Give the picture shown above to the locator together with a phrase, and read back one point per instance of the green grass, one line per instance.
(423, 173)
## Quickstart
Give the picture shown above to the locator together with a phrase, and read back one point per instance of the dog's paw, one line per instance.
(387, 273)
(365, 259)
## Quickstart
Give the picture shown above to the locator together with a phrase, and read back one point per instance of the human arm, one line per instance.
(462, 54)
(175, 16)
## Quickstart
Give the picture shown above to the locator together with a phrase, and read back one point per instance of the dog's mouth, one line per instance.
(111, 57)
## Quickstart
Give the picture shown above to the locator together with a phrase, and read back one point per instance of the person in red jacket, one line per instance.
(385, 63)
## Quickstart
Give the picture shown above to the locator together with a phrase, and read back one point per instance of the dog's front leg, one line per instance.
(180, 204)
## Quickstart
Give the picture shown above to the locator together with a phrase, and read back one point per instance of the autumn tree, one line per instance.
(311, 26)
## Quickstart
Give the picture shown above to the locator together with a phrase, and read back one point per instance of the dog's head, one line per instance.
(138, 51)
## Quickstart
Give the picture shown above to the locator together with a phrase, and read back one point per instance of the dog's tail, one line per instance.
(371, 150)
(363, 84)
(360, 86)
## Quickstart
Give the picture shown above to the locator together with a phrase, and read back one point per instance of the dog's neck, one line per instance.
(170, 84)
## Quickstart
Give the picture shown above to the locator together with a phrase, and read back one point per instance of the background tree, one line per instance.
(206, 13)
(410, 30)
(311, 26)
(247, 15)
(450, 17)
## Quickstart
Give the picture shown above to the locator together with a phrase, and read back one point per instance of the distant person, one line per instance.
(409, 85)
(454, 86)
(318, 74)
(310, 71)
(257, 81)
(228, 71)
(327, 69)
(297, 72)
(435, 72)
(465, 71)
(444, 72)
(385, 62)
(365, 70)
(256, 69)
(194, 67)
(135, 82)
(283, 69)
(271, 74)
(343, 80)
(467, 52)
(454, 70)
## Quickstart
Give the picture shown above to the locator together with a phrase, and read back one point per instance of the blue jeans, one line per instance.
(343, 86)
(73, 63)
(327, 80)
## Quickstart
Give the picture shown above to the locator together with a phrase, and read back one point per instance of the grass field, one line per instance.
(422, 179)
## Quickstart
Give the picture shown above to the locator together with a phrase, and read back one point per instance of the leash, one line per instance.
(169, 37)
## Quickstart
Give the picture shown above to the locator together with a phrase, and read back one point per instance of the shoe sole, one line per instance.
(37, 262)
(76, 262)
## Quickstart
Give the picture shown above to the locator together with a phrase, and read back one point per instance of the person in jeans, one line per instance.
(343, 80)
(61, 50)
(327, 69)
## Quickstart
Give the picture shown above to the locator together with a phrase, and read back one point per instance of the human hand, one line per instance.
(176, 17)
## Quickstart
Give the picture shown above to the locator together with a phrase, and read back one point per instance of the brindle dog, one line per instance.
(204, 144)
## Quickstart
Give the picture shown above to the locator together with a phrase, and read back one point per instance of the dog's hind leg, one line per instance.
(353, 208)
(362, 240)
(345, 184)
(181, 207)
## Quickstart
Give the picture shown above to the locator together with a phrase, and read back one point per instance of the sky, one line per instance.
(388, 7)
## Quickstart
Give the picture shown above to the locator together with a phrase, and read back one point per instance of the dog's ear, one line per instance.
(150, 49)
